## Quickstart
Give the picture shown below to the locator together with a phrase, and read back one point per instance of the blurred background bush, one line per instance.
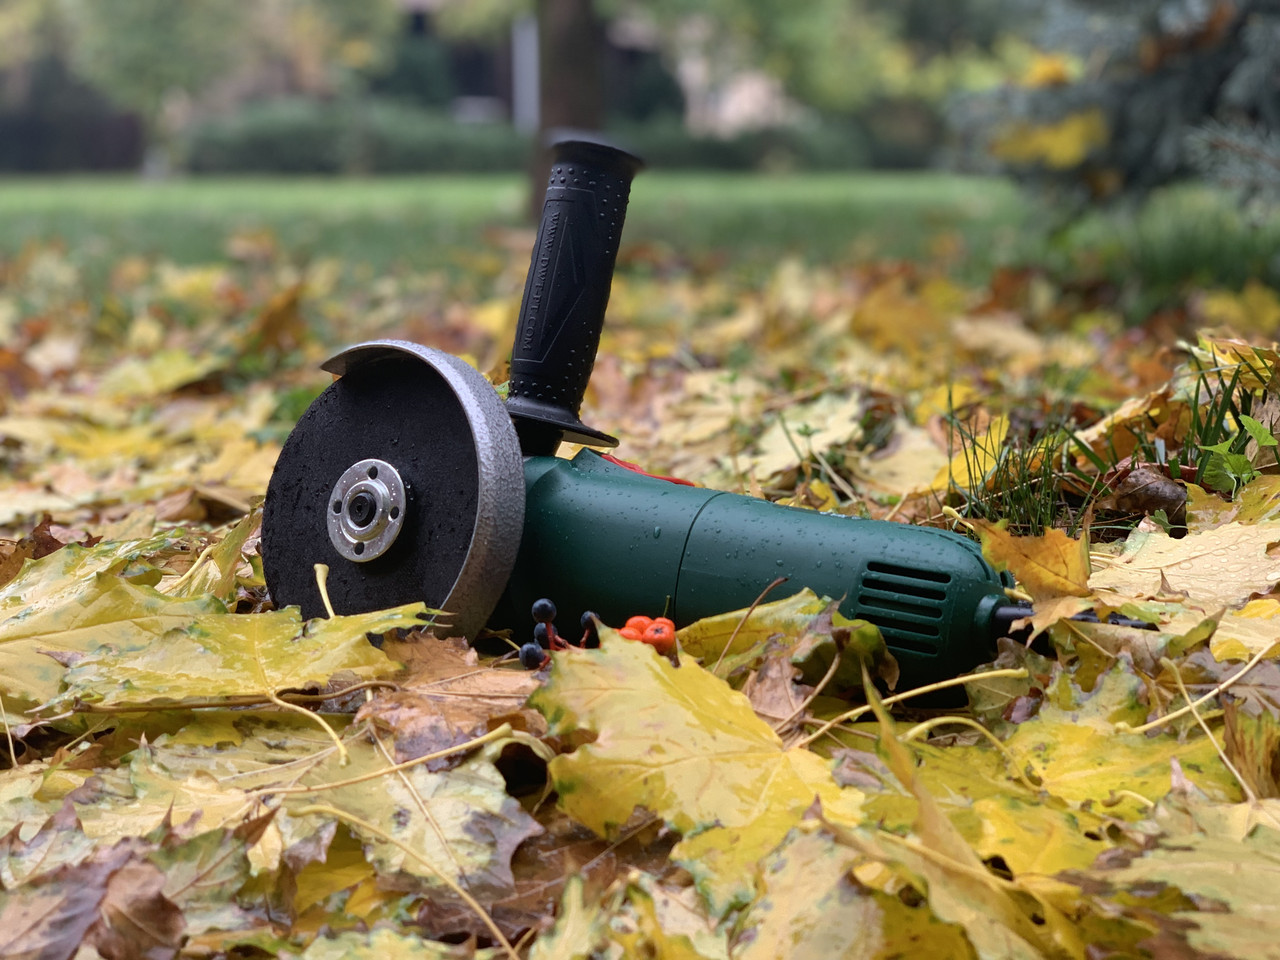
(1094, 98)
(1094, 106)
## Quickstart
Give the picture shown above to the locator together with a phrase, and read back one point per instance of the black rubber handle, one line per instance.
(565, 295)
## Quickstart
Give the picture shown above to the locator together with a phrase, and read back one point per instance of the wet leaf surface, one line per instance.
(189, 771)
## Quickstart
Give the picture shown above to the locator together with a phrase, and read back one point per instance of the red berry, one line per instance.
(661, 635)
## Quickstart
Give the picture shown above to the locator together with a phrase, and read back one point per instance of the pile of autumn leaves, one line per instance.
(192, 772)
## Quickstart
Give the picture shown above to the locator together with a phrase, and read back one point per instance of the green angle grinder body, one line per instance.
(602, 537)
(411, 481)
(404, 478)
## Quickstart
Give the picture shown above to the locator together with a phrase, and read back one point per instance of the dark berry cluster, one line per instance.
(537, 652)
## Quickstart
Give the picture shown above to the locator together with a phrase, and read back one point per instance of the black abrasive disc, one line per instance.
(450, 444)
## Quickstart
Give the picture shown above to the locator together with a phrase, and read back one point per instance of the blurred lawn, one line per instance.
(427, 221)
(1139, 260)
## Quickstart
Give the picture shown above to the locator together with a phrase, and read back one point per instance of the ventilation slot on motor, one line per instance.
(907, 604)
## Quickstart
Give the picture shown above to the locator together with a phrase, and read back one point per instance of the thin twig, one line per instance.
(902, 499)
(1191, 706)
(1015, 672)
(750, 610)
(831, 672)
(838, 480)
(496, 734)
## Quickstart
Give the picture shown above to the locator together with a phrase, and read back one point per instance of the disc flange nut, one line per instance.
(366, 510)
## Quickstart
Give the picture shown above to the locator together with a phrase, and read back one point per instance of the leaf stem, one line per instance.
(948, 863)
(324, 809)
(495, 734)
(225, 702)
(8, 735)
(322, 581)
(199, 562)
(929, 724)
(741, 623)
(1200, 721)
(343, 756)
(813, 695)
(1014, 672)
(1192, 705)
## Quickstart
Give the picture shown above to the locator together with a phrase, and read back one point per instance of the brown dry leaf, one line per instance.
(113, 901)
(135, 918)
(1146, 489)
(39, 543)
(1117, 436)
(775, 693)
(449, 698)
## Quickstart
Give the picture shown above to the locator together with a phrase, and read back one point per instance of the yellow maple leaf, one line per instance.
(1248, 631)
(893, 316)
(1048, 567)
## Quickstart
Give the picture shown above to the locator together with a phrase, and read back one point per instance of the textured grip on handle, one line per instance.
(565, 295)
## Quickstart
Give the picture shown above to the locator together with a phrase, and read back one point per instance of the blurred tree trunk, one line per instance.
(570, 40)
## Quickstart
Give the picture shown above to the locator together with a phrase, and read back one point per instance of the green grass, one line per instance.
(381, 222)
(1184, 237)
(429, 221)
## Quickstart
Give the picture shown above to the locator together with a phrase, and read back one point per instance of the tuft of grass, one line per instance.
(1222, 428)
(1024, 478)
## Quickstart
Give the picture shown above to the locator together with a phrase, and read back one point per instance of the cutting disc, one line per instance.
(405, 478)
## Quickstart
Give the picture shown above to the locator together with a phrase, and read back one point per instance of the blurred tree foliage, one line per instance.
(834, 55)
(879, 70)
(168, 61)
(1131, 94)
(146, 53)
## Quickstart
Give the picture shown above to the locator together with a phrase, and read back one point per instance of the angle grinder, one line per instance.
(413, 481)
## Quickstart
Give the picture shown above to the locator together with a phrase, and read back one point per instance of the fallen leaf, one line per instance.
(234, 655)
(812, 907)
(101, 609)
(1076, 753)
(1225, 565)
(680, 743)
(1048, 566)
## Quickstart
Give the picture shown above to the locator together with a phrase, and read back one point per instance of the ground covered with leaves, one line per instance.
(189, 771)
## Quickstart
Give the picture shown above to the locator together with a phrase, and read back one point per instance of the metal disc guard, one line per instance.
(442, 428)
